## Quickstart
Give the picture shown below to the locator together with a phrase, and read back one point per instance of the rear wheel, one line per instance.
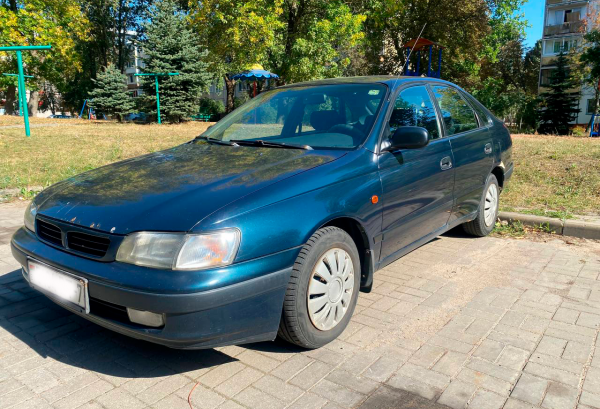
(322, 291)
(488, 210)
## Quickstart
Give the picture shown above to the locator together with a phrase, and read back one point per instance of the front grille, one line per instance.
(79, 240)
(89, 244)
(49, 232)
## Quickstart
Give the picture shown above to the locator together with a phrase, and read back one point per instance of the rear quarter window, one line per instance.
(484, 117)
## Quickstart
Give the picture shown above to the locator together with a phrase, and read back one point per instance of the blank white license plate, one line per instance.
(60, 284)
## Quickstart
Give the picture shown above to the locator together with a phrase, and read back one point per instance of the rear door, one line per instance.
(417, 183)
(472, 148)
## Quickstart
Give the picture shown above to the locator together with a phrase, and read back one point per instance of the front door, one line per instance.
(417, 184)
(471, 146)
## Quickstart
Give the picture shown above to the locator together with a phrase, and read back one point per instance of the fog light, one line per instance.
(147, 318)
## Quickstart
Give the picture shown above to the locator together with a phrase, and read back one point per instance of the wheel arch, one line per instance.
(499, 173)
(359, 235)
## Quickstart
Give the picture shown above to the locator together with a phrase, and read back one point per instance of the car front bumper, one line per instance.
(244, 305)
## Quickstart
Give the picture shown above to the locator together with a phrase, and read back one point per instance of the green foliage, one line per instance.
(237, 35)
(590, 60)
(40, 22)
(210, 106)
(110, 94)
(591, 54)
(509, 85)
(171, 46)
(558, 106)
(314, 39)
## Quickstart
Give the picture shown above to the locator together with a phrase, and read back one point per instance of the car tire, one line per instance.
(487, 214)
(320, 299)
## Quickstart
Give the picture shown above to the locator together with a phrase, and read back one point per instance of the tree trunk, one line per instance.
(34, 103)
(10, 99)
(230, 86)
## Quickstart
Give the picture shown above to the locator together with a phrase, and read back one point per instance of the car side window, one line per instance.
(484, 119)
(414, 107)
(456, 112)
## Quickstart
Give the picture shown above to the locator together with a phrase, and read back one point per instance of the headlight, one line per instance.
(180, 251)
(30, 213)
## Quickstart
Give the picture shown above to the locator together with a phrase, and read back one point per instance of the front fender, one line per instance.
(289, 212)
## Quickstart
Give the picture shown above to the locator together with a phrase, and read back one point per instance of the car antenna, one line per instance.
(409, 54)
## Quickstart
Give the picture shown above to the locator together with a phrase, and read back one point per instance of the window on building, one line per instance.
(555, 17)
(557, 46)
(590, 106)
(131, 79)
(545, 76)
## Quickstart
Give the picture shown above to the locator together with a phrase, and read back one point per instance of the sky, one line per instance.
(534, 14)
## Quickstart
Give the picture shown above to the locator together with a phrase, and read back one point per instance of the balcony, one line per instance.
(565, 28)
(554, 2)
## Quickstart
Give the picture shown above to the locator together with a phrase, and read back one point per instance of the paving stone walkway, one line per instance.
(461, 322)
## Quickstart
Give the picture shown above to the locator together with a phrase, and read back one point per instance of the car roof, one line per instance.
(390, 80)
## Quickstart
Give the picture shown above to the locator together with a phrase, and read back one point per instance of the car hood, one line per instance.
(172, 190)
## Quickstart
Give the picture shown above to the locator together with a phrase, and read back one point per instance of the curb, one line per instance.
(574, 228)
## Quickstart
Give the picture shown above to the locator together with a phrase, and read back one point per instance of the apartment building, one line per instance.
(134, 65)
(565, 22)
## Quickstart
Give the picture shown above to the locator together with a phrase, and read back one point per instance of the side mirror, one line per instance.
(408, 137)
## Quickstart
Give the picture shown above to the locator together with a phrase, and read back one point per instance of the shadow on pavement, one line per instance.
(38, 324)
(387, 397)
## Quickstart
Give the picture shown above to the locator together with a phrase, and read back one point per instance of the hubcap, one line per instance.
(330, 289)
(490, 205)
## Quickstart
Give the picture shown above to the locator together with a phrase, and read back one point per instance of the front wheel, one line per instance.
(322, 290)
(488, 210)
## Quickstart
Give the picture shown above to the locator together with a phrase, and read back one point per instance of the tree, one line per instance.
(35, 22)
(558, 107)
(590, 59)
(237, 34)
(171, 46)
(509, 84)
(315, 39)
(110, 94)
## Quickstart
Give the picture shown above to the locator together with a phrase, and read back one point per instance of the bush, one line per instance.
(211, 106)
(579, 131)
(237, 102)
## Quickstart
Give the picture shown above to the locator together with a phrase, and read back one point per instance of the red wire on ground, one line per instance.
(190, 395)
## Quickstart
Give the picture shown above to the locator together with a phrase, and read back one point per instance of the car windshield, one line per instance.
(326, 116)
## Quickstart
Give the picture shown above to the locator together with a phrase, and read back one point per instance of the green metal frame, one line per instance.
(156, 75)
(20, 101)
(21, 75)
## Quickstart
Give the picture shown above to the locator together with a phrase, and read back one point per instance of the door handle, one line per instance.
(446, 163)
(488, 148)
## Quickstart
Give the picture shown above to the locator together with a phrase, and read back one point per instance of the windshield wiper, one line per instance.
(271, 144)
(216, 141)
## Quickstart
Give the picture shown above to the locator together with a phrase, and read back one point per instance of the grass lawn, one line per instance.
(554, 176)
(61, 148)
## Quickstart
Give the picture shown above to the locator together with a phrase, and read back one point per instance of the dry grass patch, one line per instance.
(69, 147)
(554, 175)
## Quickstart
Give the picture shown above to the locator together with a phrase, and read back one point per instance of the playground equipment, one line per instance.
(595, 129)
(20, 101)
(156, 75)
(22, 92)
(414, 48)
(256, 73)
